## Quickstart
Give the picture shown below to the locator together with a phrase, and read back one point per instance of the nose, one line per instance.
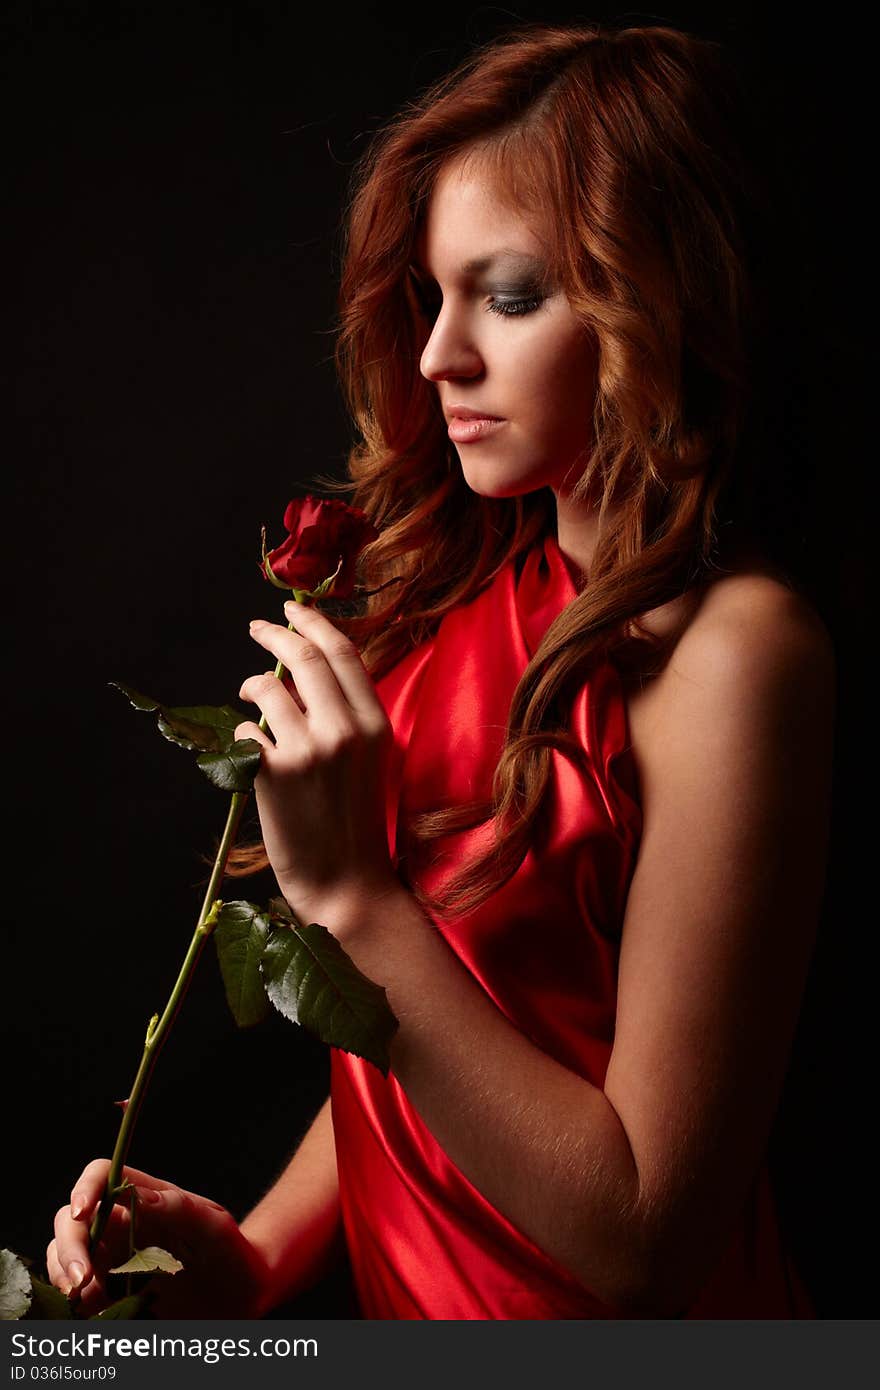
(450, 351)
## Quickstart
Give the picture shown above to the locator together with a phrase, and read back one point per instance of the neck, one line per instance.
(577, 530)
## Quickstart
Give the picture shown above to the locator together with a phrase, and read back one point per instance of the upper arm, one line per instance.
(735, 767)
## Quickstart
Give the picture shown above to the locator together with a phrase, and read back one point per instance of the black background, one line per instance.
(174, 187)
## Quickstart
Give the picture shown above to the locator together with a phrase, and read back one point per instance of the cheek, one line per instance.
(564, 393)
(559, 373)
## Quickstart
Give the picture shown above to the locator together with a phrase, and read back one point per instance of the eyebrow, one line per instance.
(520, 259)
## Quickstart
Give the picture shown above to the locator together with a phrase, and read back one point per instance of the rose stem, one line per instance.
(159, 1027)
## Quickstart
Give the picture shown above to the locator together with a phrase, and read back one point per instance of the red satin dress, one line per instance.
(423, 1242)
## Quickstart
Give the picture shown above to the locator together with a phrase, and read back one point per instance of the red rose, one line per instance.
(325, 534)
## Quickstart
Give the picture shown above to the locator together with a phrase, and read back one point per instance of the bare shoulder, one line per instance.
(749, 641)
(754, 617)
(733, 744)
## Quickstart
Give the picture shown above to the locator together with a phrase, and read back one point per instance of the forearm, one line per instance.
(542, 1144)
(297, 1225)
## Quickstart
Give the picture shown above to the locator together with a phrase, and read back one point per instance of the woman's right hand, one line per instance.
(223, 1275)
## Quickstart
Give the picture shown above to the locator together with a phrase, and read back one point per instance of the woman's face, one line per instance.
(500, 341)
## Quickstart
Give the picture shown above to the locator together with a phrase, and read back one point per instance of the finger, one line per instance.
(56, 1270)
(89, 1294)
(70, 1265)
(75, 1260)
(290, 686)
(280, 712)
(315, 678)
(93, 1179)
(170, 1217)
(342, 656)
(187, 1225)
(314, 637)
(89, 1187)
(92, 1298)
(73, 1222)
(248, 729)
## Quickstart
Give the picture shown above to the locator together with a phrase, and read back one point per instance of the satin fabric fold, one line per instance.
(423, 1242)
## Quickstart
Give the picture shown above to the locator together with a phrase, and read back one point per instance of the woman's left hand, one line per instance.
(321, 786)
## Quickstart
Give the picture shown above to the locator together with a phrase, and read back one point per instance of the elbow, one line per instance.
(652, 1274)
(649, 1296)
(642, 1293)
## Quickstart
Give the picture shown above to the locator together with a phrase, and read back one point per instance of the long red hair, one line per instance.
(632, 142)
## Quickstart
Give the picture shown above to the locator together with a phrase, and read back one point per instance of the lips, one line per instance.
(463, 412)
(473, 427)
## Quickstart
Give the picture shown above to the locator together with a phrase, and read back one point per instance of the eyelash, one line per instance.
(507, 308)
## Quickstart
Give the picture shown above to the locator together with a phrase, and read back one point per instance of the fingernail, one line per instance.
(77, 1273)
(256, 622)
(148, 1195)
(76, 1205)
(66, 1287)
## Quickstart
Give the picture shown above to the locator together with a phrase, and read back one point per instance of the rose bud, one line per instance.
(325, 537)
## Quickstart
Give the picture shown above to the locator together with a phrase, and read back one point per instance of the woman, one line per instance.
(563, 788)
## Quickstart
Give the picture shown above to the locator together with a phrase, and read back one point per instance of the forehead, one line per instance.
(472, 216)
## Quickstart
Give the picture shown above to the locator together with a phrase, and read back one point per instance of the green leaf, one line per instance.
(15, 1287)
(240, 936)
(141, 702)
(312, 981)
(48, 1302)
(279, 911)
(234, 769)
(129, 1307)
(150, 1258)
(209, 728)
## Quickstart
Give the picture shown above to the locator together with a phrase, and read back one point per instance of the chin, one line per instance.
(486, 482)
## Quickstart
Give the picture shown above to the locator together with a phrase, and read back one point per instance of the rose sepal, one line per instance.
(321, 532)
(268, 572)
(300, 595)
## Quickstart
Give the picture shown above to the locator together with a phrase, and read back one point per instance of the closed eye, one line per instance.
(515, 306)
(428, 305)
